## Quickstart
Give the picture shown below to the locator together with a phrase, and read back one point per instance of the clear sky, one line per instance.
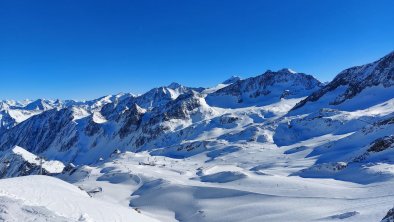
(82, 49)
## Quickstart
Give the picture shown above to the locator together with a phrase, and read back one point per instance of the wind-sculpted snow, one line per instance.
(42, 198)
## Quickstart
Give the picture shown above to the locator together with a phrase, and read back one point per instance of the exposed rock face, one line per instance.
(182, 106)
(40, 131)
(41, 104)
(92, 128)
(357, 79)
(19, 162)
(389, 216)
(377, 146)
(271, 85)
(385, 122)
(6, 121)
(180, 112)
(232, 80)
(130, 120)
(91, 124)
(161, 96)
(12, 113)
(382, 144)
(154, 118)
(166, 116)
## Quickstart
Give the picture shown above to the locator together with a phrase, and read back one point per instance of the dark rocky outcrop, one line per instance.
(356, 79)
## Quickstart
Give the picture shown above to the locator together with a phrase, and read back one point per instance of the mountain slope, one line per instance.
(235, 152)
(373, 82)
(42, 198)
(19, 162)
(265, 89)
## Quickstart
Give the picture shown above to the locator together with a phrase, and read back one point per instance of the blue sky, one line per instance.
(82, 49)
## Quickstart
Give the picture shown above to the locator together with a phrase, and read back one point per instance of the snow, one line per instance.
(172, 189)
(234, 152)
(31, 158)
(215, 88)
(229, 176)
(39, 198)
(239, 164)
(288, 70)
(98, 118)
(21, 115)
(52, 166)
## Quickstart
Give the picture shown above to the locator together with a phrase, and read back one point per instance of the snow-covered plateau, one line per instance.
(280, 146)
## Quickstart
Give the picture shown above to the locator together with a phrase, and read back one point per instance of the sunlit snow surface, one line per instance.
(235, 179)
(234, 152)
(43, 198)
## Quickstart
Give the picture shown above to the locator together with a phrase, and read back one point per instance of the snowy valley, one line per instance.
(281, 146)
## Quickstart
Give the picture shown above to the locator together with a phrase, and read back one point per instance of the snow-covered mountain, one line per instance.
(244, 150)
(12, 113)
(265, 89)
(19, 162)
(231, 80)
(373, 82)
(358, 103)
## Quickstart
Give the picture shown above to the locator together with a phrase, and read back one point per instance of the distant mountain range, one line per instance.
(341, 130)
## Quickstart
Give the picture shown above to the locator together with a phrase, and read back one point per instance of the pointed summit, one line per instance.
(349, 83)
(287, 70)
(232, 80)
(135, 108)
(39, 104)
(174, 85)
(264, 89)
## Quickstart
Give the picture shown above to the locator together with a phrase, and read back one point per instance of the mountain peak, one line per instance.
(136, 108)
(232, 79)
(272, 86)
(38, 104)
(174, 85)
(356, 79)
(389, 55)
(287, 70)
